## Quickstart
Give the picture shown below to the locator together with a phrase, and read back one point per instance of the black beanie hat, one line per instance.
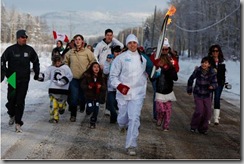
(21, 33)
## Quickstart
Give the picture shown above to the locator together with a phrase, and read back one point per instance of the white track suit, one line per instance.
(129, 69)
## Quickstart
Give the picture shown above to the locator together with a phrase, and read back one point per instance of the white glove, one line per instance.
(41, 77)
(59, 82)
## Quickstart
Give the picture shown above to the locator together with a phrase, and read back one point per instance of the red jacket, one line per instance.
(174, 59)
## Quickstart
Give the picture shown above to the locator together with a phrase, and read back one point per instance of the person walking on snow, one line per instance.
(59, 47)
(164, 94)
(128, 75)
(18, 57)
(103, 48)
(206, 82)
(173, 57)
(60, 76)
(93, 84)
(78, 59)
(112, 104)
(217, 62)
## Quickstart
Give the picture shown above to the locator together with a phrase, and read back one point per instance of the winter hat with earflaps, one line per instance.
(166, 42)
(131, 38)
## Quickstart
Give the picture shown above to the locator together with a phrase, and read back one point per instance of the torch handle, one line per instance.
(153, 71)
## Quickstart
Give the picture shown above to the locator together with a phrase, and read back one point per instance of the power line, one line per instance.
(205, 28)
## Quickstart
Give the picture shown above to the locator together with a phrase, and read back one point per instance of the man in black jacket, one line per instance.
(18, 57)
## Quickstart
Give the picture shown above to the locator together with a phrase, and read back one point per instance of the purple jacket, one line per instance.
(203, 81)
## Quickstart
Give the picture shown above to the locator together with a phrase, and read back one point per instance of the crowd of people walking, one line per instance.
(114, 74)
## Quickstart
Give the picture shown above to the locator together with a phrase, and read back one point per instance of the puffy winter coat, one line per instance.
(165, 81)
(54, 74)
(129, 68)
(94, 93)
(203, 81)
(19, 58)
(220, 67)
(79, 61)
(103, 49)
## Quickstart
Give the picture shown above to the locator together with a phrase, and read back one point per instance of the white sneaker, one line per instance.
(107, 112)
(11, 120)
(131, 151)
(18, 128)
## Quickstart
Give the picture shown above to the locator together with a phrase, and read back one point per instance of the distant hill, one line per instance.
(92, 23)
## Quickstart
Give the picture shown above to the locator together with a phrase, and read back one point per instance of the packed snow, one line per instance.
(38, 91)
(232, 77)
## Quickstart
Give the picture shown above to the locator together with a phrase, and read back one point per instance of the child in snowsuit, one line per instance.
(59, 75)
(93, 84)
(206, 82)
(164, 91)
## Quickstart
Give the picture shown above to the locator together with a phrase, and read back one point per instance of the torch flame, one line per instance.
(169, 21)
(171, 11)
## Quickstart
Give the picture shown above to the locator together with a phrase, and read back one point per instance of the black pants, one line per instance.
(16, 100)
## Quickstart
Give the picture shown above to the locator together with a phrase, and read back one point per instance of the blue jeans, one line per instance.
(217, 95)
(112, 105)
(76, 95)
(92, 106)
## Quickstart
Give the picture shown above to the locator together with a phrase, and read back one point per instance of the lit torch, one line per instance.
(166, 21)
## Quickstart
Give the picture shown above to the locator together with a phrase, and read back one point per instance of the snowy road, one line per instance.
(67, 140)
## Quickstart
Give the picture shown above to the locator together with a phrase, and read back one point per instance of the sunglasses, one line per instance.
(23, 37)
(215, 51)
(165, 49)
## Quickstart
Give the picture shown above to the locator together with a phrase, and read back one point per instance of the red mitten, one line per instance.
(175, 63)
(91, 85)
(98, 86)
(123, 89)
(155, 61)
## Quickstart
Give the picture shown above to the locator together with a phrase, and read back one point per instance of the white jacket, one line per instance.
(106, 71)
(128, 69)
(63, 72)
(103, 49)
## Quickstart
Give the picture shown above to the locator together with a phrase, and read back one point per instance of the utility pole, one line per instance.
(70, 26)
(153, 26)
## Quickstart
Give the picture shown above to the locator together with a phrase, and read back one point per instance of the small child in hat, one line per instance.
(60, 76)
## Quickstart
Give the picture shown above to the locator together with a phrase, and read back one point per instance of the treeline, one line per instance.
(11, 21)
(195, 26)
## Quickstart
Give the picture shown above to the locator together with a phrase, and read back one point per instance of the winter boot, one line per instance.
(18, 128)
(92, 125)
(216, 116)
(11, 120)
(93, 122)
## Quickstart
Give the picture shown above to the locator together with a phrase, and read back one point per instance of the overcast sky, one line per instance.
(38, 7)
